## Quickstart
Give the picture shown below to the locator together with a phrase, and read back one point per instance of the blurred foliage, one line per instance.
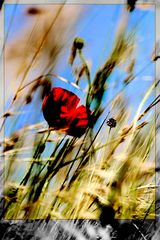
(50, 175)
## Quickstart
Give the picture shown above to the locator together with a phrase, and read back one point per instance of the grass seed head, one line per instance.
(112, 123)
(78, 43)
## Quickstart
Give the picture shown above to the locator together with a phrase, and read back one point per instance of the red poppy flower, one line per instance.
(61, 111)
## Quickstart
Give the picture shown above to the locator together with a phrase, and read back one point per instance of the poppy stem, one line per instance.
(36, 155)
(51, 171)
(86, 66)
(88, 100)
(97, 133)
(85, 153)
(70, 168)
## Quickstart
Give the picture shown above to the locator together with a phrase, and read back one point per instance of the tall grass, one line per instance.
(51, 175)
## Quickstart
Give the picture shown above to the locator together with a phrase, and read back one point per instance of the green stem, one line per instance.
(85, 153)
(86, 67)
(36, 155)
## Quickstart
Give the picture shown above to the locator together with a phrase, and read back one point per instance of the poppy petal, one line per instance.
(80, 118)
(65, 97)
(61, 112)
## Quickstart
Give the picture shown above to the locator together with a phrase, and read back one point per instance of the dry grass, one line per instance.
(55, 176)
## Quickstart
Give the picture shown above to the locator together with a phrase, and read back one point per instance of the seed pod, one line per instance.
(78, 43)
(112, 123)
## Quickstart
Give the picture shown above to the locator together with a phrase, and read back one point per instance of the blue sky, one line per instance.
(98, 27)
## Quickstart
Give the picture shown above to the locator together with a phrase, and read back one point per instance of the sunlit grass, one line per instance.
(49, 174)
